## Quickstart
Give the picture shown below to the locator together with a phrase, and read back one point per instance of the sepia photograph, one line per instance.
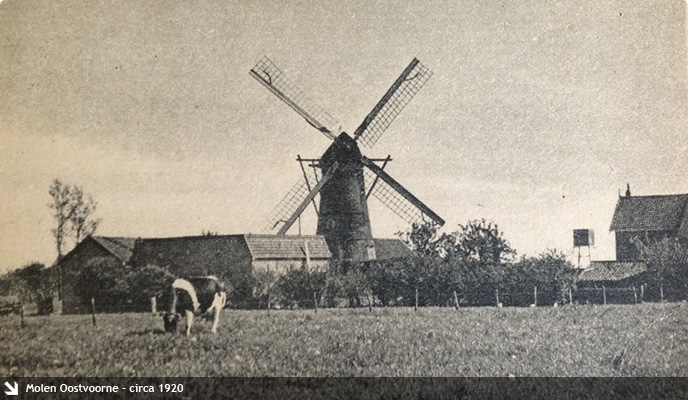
(363, 189)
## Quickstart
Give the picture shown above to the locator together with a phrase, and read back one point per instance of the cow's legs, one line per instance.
(189, 321)
(216, 318)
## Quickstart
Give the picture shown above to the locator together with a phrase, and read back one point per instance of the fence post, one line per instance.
(269, 300)
(456, 301)
(154, 305)
(570, 297)
(497, 297)
(93, 310)
(535, 295)
(661, 292)
(604, 295)
(635, 295)
(370, 303)
(642, 292)
(416, 307)
(315, 301)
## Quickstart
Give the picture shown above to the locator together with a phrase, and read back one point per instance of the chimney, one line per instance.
(628, 190)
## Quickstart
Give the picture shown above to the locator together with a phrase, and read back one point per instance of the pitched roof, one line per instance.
(192, 252)
(650, 213)
(386, 249)
(612, 270)
(264, 247)
(120, 247)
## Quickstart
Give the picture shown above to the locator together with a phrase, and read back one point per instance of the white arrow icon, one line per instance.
(13, 391)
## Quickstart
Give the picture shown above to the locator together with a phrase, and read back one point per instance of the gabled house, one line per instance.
(651, 217)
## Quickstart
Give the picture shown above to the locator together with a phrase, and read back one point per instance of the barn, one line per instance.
(234, 258)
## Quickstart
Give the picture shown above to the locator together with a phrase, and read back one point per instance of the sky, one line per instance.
(536, 115)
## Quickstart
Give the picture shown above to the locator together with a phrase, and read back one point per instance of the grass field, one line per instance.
(564, 341)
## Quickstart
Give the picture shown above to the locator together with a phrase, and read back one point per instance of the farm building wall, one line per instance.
(68, 269)
(280, 267)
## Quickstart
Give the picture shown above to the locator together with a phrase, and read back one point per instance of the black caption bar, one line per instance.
(344, 388)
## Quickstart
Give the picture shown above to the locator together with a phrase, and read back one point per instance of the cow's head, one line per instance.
(170, 320)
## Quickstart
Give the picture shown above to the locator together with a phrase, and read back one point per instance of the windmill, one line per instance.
(343, 217)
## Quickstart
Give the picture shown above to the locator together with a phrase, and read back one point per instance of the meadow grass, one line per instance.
(496, 342)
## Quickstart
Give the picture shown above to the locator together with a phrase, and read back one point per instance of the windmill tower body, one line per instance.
(344, 219)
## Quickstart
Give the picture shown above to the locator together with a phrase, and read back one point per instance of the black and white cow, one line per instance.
(195, 296)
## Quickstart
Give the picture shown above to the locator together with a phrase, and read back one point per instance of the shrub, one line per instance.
(298, 286)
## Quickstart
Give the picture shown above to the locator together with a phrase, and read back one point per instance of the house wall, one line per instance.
(626, 250)
(282, 266)
(70, 265)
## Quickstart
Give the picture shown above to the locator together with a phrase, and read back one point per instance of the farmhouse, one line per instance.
(234, 258)
(635, 218)
(652, 217)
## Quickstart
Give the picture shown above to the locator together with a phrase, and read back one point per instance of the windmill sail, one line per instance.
(268, 74)
(286, 207)
(388, 108)
(395, 197)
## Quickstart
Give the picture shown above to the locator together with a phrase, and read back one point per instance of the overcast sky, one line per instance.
(537, 114)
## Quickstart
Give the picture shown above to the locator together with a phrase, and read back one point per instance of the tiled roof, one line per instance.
(612, 270)
(286, 247)
(650, 213)
(120, 247)
(386, 249)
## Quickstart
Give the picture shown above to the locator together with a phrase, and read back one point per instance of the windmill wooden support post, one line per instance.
(535, 295)
(604, 295)
(416, 306)
(93, 310)
(456, 301)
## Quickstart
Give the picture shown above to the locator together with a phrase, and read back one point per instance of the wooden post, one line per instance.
(269, 301)
(416, 307)
(570, 297)
(642, 292)
(535, 295)
(604, 295)
(456, 300)
(315, 302)
(93, 310)
(497, 297)
(154, 305)
(370, 303)
(21, 314)
(661, 292)
(635, 295)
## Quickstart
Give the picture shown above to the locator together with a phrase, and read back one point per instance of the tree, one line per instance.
(667, 262)
(82, 207)
(482, 241)
(73, 211)
(425, 240)
(61, 205)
